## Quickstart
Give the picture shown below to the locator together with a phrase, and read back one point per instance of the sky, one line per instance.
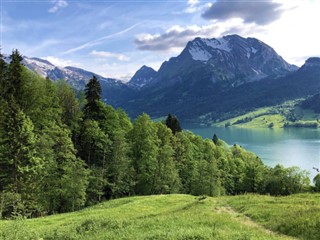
(114, 38)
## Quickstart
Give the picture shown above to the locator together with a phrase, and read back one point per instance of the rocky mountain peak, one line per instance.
(231, 60)
(142, 77)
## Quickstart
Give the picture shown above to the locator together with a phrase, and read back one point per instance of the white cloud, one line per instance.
(295, 36)
(194, 6)
(58, 4)
(103, 54)
(61, 62)
(176, 37)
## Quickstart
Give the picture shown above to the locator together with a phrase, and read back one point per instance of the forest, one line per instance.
(61, 150)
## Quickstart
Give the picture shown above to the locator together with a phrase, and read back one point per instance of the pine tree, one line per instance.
(173, 123)
(3, 68)
(66, 176)
(15, 81)
(93, 97)
(20, 167)
(215, 139)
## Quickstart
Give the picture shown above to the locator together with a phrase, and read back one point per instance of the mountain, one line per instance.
(202, 80)
(142, 77)
(229, 61)
(113, 91)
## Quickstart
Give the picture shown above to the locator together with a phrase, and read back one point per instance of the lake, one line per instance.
(289, 147)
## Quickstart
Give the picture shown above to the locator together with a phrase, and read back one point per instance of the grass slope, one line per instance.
(179, 217)
(275, 117)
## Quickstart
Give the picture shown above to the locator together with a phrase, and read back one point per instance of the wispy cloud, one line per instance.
(103, 54)
(58, 4)
(100, 40)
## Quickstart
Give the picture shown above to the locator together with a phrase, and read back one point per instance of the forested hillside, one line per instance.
(58, 154)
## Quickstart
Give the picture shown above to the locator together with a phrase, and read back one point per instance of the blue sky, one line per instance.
(115, 38)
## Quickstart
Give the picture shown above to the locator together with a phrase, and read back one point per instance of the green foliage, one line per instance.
(316, 181)
(144, 148)
(285, 181)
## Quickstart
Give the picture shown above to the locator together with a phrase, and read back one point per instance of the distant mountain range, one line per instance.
(212, 79)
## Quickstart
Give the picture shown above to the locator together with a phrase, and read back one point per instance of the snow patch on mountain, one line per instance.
(203, 48)
(199, 54)
(221, 44)
(40, 66)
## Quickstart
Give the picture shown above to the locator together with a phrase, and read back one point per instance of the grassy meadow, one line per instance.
(179, 217)
(274, 117)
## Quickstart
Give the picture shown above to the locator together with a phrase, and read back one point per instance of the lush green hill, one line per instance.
(179, 217)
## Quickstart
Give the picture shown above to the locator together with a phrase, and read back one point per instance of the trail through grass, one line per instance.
(165, 217)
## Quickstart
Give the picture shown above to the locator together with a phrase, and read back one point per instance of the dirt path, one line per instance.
(247, 221)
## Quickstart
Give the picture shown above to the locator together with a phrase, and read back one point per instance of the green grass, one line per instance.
(179, 217)
(260, 118)
(296, 215)
(274, 117)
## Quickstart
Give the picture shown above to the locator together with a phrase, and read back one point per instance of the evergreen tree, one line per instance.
(215, 139)
(3, 68)
(93, 97)
(20, 167)
(15, 83)
(66, 176)
(173, 123)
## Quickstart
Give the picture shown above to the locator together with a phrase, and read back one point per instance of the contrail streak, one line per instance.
(99, 40)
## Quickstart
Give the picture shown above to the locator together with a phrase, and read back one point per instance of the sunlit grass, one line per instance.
(155, 217)
(296, 215)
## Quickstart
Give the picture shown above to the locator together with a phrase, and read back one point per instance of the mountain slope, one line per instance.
(113, 91)
(180, 217)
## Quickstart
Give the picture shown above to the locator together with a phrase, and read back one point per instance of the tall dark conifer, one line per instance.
(173, 123)
(14, 85)
(93, 97)
(2, 73)
(215, 139)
